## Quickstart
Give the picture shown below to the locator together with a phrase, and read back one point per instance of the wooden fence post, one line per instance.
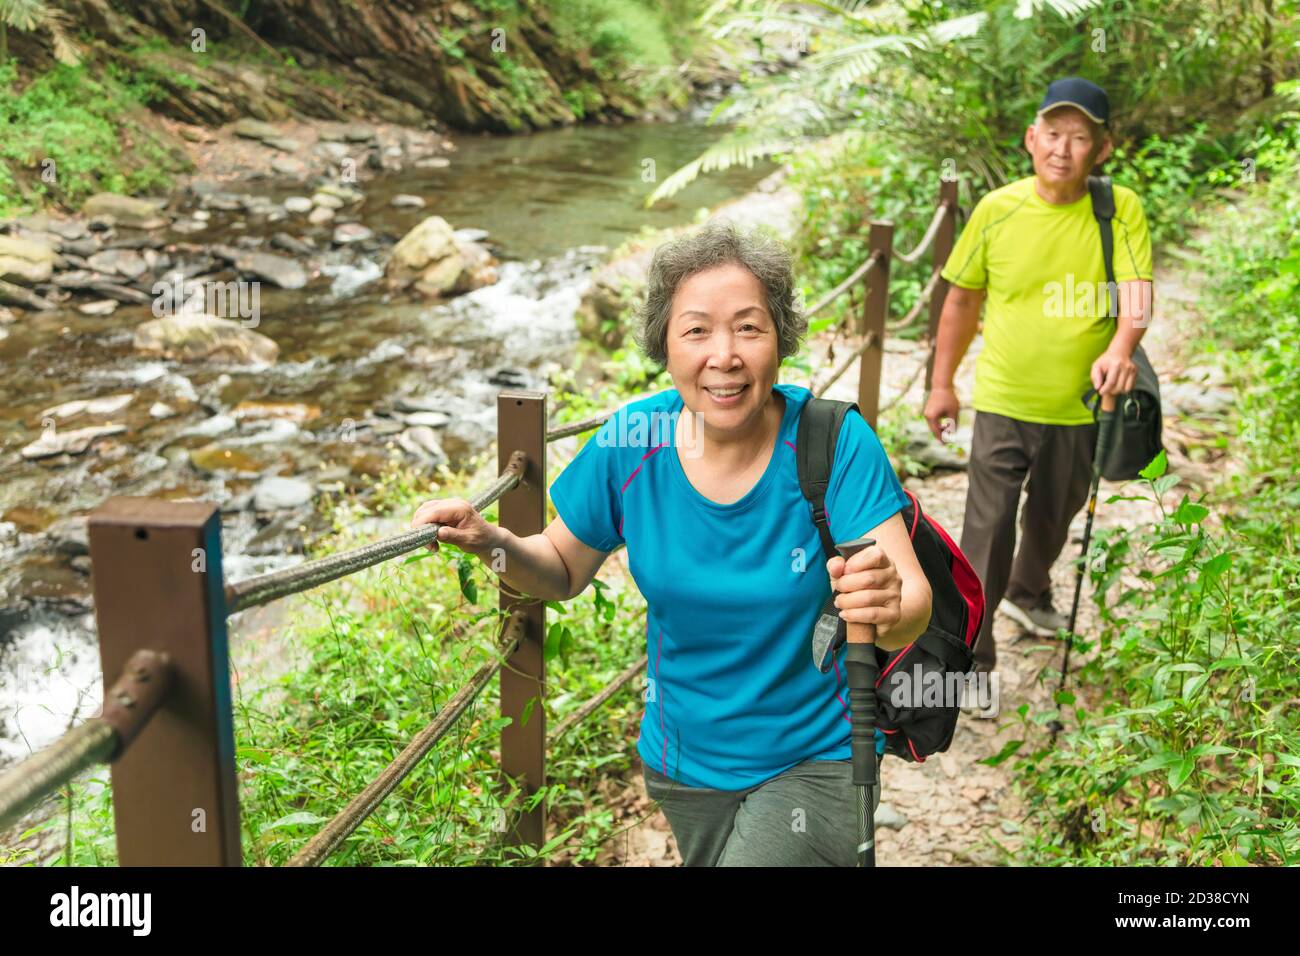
(521, 426)
(156, 571)
(874, 311)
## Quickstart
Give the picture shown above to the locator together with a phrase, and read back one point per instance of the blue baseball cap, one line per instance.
(1081, 94)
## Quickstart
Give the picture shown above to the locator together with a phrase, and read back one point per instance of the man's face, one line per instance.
(1065, 146)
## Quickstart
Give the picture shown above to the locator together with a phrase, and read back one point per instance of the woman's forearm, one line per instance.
(914, 617)
(529, 565)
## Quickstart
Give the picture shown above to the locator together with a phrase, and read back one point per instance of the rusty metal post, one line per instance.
(156, 569)
(943, 243)
(521, 426)
(874, 311)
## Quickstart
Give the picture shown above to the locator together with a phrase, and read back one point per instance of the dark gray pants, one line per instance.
(1057, 461)
(806, 816)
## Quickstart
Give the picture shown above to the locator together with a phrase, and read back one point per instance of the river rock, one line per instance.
(298, 204)
(480, 267)
(327, 201)
(98, 307)
(277, 270)
(407, 201)
(351, 232)
(346, 193)
(432, 162)
(334, 151)
(423, 443)
(70, 536)
(427, 256)
(103, 407)
(161, 410)
(123, 210)
(613, 287)
(11, 294)
(56, 442)
(283, 143)
(212, 427)
(123, 262)
(299, 247)
(187, 227)
(193, 336)
(320, 215)
(249, 128)
(289, 411)
(275, 493)
(25, 261)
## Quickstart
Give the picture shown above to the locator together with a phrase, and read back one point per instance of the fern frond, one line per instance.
(741, 147)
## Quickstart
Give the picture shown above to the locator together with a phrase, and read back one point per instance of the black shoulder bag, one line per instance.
(1139, 419)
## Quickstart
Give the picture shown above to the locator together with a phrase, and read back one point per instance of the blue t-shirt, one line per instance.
(733, 591)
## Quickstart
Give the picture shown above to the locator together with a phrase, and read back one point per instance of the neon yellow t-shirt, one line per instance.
(1047, 315)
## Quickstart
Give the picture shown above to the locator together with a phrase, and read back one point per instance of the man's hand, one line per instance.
(1114, 373)
(941, 410)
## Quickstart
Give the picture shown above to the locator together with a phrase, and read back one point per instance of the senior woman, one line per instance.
(744, 742)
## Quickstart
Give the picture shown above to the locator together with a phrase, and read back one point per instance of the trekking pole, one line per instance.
(1105, 425)
(862, 670)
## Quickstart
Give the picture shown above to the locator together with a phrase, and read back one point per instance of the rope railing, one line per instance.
(921, 302)
(128, 705)
(345, 823)
(590, 707)
(930, 232)
(867, 265)
(265, 588)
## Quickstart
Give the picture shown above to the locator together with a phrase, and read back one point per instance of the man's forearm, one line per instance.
(957, 326)
(1135, 301)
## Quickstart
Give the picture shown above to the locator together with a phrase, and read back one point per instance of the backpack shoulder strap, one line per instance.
(819, 427)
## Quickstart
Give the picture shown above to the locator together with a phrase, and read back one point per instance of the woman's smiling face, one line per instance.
(721, 337)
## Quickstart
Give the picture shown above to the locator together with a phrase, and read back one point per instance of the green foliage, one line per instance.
(932, 78)
(76, 122)
(1188, 757)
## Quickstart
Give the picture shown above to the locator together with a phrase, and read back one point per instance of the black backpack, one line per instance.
(1139, 421)
(913, 728)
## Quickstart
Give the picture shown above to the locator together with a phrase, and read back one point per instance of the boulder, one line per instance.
(194, 336)
(26, 261)
(298, 204)
(123, 210)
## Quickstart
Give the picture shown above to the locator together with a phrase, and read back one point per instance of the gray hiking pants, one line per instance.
(806, 816)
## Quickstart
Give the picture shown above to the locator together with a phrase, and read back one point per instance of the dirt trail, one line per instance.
(951, 809)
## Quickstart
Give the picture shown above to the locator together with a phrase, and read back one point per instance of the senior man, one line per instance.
(1033, 249)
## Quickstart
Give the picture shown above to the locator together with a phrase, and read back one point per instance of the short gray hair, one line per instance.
(720, 242)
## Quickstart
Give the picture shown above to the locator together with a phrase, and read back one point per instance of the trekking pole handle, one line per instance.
(857, 633)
